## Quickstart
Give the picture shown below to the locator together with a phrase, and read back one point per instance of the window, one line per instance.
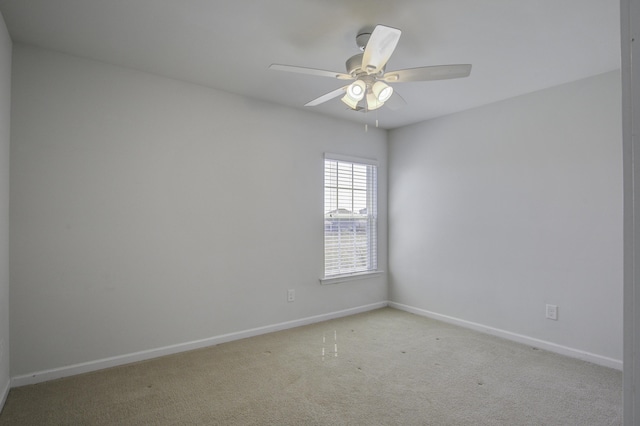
(350, 216)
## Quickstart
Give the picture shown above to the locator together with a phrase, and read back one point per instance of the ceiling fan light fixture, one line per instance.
(382, 91)
(356, 90)
(352, 103)
(373, 102)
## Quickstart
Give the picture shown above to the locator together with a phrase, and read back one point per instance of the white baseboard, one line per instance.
(542, 344)
(85, 367)
(3, 394)
(56, 373)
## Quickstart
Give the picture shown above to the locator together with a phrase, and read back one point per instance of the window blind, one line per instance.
(350, 217)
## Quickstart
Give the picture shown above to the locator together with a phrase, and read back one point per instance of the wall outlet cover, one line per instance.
(552, 312)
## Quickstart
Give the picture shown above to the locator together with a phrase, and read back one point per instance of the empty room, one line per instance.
(315, 212)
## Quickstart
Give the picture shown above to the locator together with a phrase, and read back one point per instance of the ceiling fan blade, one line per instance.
(327, 97)
(381, 44)
(395, 102)
(311, 71)
(438, 72)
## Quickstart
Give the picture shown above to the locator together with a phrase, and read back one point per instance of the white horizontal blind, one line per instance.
(350, 217)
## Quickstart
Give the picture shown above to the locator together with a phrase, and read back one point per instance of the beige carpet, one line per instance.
(390, 368)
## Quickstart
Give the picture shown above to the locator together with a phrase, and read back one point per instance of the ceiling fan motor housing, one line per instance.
(354, 66)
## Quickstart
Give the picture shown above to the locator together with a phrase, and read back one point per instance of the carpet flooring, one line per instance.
(384, 367)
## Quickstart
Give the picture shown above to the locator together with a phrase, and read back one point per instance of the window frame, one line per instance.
(372, 221)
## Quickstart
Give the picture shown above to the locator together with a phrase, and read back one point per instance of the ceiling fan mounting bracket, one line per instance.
(362, 39)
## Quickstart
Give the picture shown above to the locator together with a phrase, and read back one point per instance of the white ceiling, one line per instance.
(515, 47)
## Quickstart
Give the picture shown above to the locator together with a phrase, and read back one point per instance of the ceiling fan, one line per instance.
(369, 89)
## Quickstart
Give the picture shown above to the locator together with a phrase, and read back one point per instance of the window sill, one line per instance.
(350, 277)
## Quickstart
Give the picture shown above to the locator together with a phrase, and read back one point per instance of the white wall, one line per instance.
(134, 228)
(148, 212)
(497, 211)
(5, 108)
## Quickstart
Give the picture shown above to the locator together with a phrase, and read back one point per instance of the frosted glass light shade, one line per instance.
(382, 91)
(373, 102)
(352, 103)
(356, 90)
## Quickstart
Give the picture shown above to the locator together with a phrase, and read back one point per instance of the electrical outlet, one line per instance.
(291, 295)
(552, 312)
